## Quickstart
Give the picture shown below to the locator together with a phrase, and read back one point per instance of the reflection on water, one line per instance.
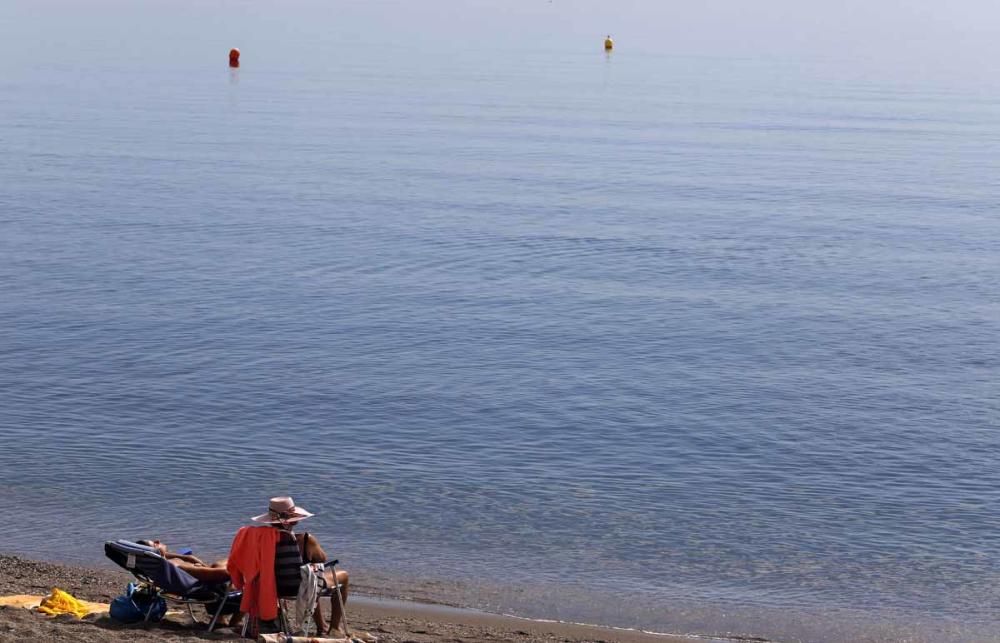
(726, 348)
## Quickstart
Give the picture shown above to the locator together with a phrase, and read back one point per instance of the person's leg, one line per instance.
(237, 618)
(335, 612)
(318, 618)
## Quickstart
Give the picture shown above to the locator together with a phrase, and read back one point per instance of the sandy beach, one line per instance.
(391, 621)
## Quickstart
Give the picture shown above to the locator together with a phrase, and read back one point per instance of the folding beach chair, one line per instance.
(289, 578)
(172, 583)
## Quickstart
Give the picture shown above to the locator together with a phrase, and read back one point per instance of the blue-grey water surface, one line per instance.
(716, 336)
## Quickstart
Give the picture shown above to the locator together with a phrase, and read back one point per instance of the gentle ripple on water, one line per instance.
(729, 352)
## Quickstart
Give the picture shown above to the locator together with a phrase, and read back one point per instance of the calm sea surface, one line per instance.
(716, 337)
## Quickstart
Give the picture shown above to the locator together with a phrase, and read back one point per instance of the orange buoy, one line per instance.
(234, 57)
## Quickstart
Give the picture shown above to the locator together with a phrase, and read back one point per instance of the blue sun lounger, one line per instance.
(172, 583)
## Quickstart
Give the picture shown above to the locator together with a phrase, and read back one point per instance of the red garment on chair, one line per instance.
(251, 568)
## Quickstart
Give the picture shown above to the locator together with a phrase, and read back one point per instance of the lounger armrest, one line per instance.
(134, 547)
(331, 563)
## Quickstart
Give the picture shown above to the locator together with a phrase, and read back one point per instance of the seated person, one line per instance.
(284, 515)
(211, 573)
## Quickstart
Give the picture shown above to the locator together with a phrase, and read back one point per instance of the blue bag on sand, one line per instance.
(131, 607)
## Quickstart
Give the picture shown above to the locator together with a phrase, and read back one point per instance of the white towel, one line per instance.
(305, 603)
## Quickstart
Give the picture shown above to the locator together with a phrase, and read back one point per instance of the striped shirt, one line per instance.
(287, 560)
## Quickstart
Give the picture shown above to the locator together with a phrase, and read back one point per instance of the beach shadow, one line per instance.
(27, 625)
(167, 628)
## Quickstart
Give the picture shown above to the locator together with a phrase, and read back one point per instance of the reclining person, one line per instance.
(210, 573)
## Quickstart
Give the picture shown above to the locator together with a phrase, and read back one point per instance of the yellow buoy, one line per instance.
(609, 44)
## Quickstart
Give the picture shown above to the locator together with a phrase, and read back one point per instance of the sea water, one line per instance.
(689, 344)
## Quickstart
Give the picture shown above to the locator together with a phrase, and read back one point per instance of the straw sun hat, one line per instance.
(282, 509)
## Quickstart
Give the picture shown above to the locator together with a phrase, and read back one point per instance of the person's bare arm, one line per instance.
(185, 558)
(201, 572)
(313, 551)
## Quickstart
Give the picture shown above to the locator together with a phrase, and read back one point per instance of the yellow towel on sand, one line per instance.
(59, 602)
(30, 602)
